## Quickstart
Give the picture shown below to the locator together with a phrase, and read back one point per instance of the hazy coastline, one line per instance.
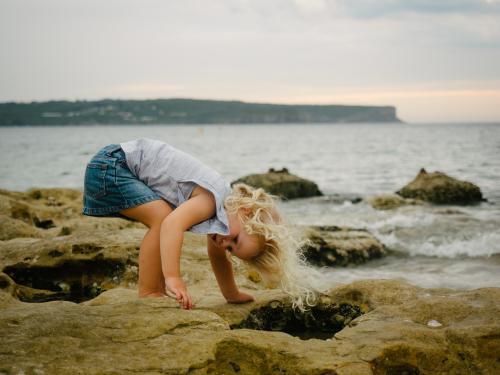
(186, 111)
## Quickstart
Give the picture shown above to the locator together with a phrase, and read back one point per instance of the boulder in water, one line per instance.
(439, 188)
(282, 183)
(335, 246)
(390, 201)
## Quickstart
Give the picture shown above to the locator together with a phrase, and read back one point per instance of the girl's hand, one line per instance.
(175, 287)
(241, 298)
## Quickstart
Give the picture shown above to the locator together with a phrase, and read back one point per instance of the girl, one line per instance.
(172, 192)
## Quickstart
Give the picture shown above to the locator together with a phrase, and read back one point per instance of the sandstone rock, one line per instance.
(282, 183)
(390, 201)
(365, 327)
(439, 188)
(335, 246)
(81, 256)
(82, 265)
(12, 228)
(47, 213)
(73, 267)
(119, 333)
(39, 205)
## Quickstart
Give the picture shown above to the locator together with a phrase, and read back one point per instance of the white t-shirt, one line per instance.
(173, 174)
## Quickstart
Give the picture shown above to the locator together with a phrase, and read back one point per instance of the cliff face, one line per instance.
(185, 111)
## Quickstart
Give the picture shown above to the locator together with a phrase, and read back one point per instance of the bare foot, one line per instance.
(152, 294)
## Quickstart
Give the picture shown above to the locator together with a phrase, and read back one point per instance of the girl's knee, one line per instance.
(150, 214)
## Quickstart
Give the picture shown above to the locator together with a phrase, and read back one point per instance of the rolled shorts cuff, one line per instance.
(114, 210)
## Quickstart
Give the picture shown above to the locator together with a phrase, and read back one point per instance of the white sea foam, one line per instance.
(483, 244)
(427, 231)
(390, 240)
(402, 220)
(468, 273)
(437, 242)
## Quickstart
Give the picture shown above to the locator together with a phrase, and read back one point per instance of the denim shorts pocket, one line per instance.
(95, 183)
(122, 163)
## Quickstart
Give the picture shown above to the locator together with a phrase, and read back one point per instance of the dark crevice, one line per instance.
(44, 224)
(85, 248)
(321, 321)
(75, 280)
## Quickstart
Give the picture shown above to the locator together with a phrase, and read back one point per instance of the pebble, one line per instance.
(433, 324)
(65, 287)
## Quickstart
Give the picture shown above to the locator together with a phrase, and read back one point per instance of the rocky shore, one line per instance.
(68, 304)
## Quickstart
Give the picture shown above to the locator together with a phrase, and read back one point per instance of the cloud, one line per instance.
(311, 6)
(249, 49)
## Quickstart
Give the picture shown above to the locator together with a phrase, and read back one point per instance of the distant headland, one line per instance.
(185, 111)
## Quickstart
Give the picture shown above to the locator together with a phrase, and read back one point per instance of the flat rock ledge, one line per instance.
(48, 213)
(439, 188)
(282, 183)
(367, 327)
(335, 246)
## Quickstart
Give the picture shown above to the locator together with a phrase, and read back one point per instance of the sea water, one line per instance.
(435, 246)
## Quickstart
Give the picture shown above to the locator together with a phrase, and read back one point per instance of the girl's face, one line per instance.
(238, 242)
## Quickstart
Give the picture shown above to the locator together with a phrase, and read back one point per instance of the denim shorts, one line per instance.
(110, 186)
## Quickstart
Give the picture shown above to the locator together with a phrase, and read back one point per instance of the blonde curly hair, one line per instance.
(279, 263)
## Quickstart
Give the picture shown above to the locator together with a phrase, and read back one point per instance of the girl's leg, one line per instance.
(151, 214)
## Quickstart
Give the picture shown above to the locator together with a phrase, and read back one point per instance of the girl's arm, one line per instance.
(223, 271)
(193, 211)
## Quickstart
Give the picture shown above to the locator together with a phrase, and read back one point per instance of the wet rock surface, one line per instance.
(282, 183)
(336, 246)
(365, 327)
(439, 188)
(391, 201)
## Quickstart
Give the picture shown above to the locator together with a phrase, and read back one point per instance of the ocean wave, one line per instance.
(402, 220)
(480, 245)
(466, 274)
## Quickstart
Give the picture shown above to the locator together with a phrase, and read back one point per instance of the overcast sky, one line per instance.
(435, 60)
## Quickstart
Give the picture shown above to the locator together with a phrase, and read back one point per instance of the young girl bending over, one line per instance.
(171, 192)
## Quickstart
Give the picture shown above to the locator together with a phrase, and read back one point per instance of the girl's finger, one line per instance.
(189, 303)
(177, 294)
(170, 294)
(186, 305)
(183, 300)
